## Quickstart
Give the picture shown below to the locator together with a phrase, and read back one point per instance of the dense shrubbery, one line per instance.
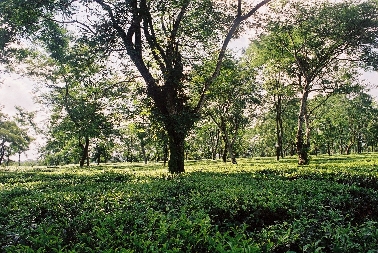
(256, 206)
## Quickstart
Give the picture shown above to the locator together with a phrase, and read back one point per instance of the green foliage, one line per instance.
(259, 205)
(13, 138)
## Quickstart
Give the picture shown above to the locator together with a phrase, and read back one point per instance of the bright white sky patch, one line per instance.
(16, 91)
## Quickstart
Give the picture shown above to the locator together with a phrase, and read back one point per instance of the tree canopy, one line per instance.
(136, 72)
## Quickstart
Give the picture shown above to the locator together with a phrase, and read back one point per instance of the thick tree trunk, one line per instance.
(302, 142)
(84, 155)
(176, 153)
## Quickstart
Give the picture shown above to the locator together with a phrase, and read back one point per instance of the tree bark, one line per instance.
(329, 148)
(169, 99)
(84, 155)
(176, 152)
(279, 128)
(225, 150)
(214, 136)
(302, 143)
(142, 146)
(165, 155)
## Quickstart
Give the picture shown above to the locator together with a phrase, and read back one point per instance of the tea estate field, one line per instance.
(259, 205)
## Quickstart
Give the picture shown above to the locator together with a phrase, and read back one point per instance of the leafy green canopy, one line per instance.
(13, 138)
(161, 38)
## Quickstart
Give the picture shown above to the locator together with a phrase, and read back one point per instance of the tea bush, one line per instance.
(259, 205)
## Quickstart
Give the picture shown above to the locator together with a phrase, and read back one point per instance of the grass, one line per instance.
(259, 205)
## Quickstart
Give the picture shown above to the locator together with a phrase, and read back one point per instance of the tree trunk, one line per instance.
(230, 150)
(359, 144)
(142, 146)
(225, 150)
(176, 153)
(349, 148)
(165, 158)
(329, 148)
(302, 143)
(214, 143)
(98, 158)
(2, 152)
(279, 128)
(84, 155)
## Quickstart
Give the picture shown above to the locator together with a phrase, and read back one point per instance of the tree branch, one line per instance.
(237, 21)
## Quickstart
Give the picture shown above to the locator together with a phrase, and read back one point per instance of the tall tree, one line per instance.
(82, 92)
(13, 138)
(277, 85)
(313, 41)
(161, 38)
(231, 101)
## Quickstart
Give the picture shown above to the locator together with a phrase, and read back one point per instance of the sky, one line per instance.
(16, 91)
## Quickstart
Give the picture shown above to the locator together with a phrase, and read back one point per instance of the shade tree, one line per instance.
(161, 38)
(232, 100)
(312, 41)
(14, 139)
(345, 124)
(83, 94)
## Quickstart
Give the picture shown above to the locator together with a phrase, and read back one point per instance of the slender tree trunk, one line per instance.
(2, 152)
(225, 150)
(359, 144)
(349, 148)
(279, 128)
(19, 158)
(230, 149)
(8, 156)
(302, 140)
(165, 155)
(143, 148)
(228, 145)
(84, 155)
(214, 144)
(281, 139)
